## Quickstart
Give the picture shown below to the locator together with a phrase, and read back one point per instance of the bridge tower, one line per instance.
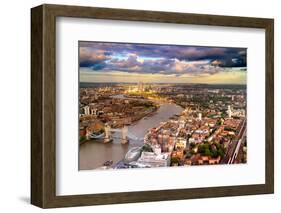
(108, 137)
(87, 110)
(124, 139)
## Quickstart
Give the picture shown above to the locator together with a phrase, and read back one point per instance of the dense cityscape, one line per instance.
(206, 124)
(161, 105)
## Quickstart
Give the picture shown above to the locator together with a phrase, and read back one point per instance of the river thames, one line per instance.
(93, 153)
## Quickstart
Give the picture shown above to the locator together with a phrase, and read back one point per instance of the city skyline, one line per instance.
(124, 126)
(153, 63)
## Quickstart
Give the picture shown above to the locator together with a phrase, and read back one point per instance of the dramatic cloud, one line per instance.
(160, 59)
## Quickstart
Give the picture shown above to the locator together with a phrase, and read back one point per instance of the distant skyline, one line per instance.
(155, 63)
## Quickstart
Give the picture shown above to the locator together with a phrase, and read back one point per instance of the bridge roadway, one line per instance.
(129, 135)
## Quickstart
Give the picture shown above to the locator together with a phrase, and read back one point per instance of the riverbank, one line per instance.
(92, 154)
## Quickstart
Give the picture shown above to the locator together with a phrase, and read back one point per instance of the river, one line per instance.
(92, 154)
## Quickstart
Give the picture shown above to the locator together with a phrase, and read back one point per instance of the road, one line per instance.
(235, 144)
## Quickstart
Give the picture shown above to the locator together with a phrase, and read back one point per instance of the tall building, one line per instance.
(200, 116)
(229, 111)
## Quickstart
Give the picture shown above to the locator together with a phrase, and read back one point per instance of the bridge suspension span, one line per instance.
(125, 134)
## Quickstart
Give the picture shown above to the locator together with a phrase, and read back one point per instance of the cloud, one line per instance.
(165, 59)
(89, 57)
(129, 62)
(216, 63)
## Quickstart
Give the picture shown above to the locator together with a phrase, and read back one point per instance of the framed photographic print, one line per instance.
(136, 106)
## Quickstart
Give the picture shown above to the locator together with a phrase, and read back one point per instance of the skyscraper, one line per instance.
(229, 111)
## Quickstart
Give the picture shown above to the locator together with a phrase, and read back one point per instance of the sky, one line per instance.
(156, 63)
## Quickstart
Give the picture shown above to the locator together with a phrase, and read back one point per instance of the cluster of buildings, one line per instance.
(208, 128)
(115, 111)
(194, 140)
(205, 133)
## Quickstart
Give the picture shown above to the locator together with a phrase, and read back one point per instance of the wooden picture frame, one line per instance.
(43, 105)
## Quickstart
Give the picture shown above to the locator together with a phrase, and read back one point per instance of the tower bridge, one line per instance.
(125, 134)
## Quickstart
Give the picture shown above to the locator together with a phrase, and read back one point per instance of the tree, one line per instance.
(82, 138)
(221, 152)
(175, 161)
(203, 147)
(214, 153)
(218, 145)
(207, 152)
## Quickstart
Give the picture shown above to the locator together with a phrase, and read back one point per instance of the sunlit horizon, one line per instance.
(158, 63)
(89, 76)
